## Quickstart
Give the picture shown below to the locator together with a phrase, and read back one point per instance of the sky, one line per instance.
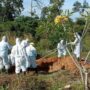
(67, 5)
(27, 6)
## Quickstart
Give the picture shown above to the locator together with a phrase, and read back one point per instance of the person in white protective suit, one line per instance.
(31, 52)
(18, 52)
(77, 43)
(25, 44)
(4, 48)
(61, 48)
(11, 58)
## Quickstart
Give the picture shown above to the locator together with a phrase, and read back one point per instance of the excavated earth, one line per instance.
(65, 63)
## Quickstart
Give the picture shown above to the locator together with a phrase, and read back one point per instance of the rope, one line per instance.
(49, 53)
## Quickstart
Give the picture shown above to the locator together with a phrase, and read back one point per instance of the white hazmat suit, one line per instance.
(11, 58)
(20, 63)
(25, 44)
(31, 52)
(61, 48)
(4, 47)
(77, 43)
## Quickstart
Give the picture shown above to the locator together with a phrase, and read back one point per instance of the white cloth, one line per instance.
(24, 44)
(77, 44)
(20, 64)
(18, 52)
(31, 53)
(61, 49)
(4, 47)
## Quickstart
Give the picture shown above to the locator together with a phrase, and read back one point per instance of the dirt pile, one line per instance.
(55, 64)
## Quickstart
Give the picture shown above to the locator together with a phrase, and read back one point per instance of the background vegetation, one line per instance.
(41, 30)
(45, 34)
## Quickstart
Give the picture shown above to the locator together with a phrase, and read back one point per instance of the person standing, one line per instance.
(77, 43)
(24, 45)
(4, 48)
(25, 42)
(61, 48)
(20, 61)
(31, 52)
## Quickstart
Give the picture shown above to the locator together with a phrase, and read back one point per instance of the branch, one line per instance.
(87, 57)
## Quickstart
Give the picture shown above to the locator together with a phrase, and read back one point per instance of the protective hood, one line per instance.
(61, 41)
(4, 38)
(23, 43)
(17, 41)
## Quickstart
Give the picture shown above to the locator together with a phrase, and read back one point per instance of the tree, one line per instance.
(25, 24)
(44, 12)
(78, 7)
(10, 9)
(80, 21)
(53, 10)
(47, 30)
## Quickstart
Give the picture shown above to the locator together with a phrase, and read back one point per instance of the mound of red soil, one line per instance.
(55, 64)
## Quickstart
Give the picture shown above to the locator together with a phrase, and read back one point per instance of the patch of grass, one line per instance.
(53, 81)
(4, 87)
(77, 86)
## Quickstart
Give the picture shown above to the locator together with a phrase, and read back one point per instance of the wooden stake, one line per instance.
(86, 80)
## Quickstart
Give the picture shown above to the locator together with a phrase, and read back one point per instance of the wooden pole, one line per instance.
(86, 81)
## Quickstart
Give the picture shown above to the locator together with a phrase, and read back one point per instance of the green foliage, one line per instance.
(45, 34)
(53, 10)
(79, 24)
(48, 35)
(4, 87)
(27, 25)
(78, 86)
(43, 30)
(79, 7)
(80, 21)
(20, 26)
(10, 9)
(86, 43)
(48, 31)
(43, 46)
